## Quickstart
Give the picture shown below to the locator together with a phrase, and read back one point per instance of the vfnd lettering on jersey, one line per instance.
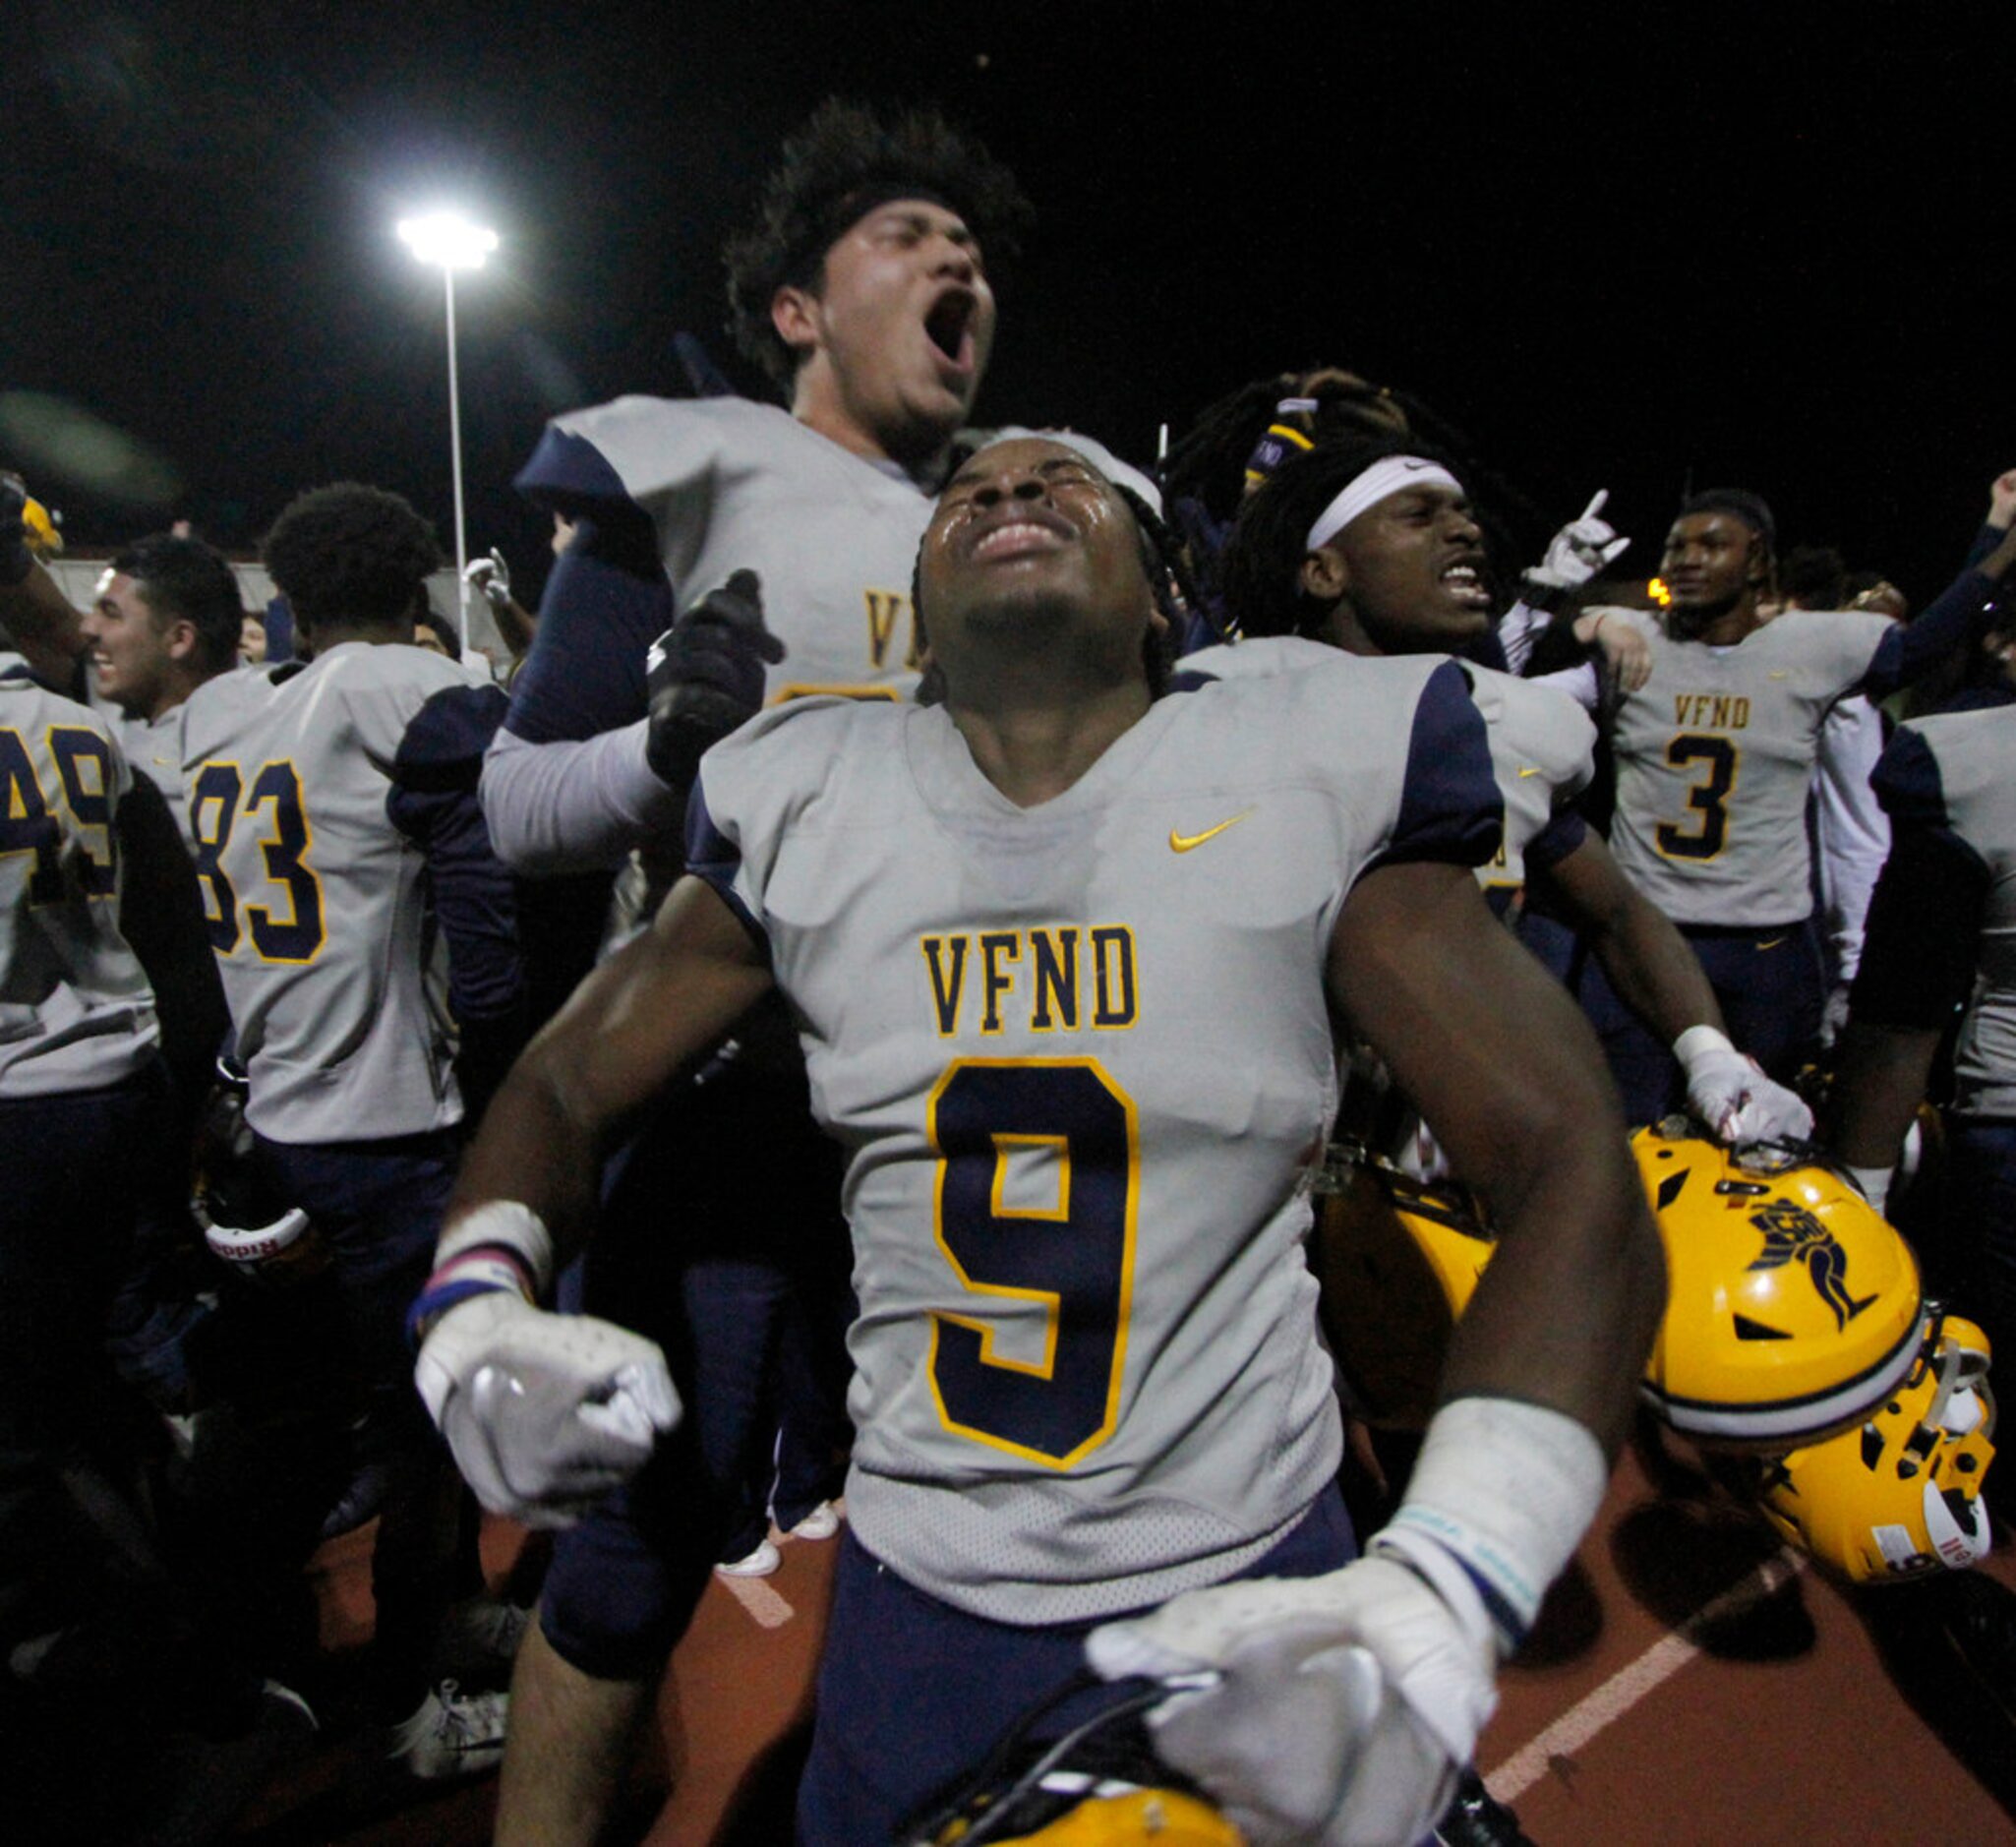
(1051, 979)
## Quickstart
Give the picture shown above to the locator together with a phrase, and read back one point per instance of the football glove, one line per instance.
(490, 577)
(706, 676)
(1732, 1098)
(544, 1412)
(1581, 550)
(1339, 1709)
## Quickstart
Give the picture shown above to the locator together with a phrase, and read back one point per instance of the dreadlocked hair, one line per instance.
(1169, 584)
(1261, 569)
(350, 554)
(843, 160)
(1204, 479)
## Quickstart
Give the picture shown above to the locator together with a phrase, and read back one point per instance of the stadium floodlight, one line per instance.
(450, 242)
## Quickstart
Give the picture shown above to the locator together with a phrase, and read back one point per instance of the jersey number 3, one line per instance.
(1709, 797)
(1038, 1178)
(289, 927)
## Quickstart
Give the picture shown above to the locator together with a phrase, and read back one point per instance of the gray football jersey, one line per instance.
(317, 907)
(1714, 759)
(154, 748)
(76, 1011)
(1082, 1057)
(1973, 755)
(1543, 744)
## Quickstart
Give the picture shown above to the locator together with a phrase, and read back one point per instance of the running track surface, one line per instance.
(1690, 1682)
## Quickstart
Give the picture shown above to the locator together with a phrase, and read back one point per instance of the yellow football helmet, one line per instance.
(1899, 1497)
(1398, 1261)
(44, 539)
(1792, 1309)
(1100, 1785)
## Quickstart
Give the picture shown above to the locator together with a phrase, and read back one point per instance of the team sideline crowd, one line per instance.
(911, 1005)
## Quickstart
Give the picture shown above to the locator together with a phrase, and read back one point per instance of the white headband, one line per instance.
(1390, 475)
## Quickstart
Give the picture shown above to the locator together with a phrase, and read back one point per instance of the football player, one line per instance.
(168, 617)
(1714, 760)
(1372, 545)
(865, 291)
(334, 812)
(1063, 957)
(1943, 938)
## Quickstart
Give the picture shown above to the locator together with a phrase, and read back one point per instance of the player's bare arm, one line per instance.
(1507, 1074)
(547, 1412)
(1660, 979)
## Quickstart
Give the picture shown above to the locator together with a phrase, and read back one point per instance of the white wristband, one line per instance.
(507, 1221)
(1506, 1490)
(1698, 1039)
(1874, 1184)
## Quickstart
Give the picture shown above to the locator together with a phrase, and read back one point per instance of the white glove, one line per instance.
(1341, 1708)
(544, 1412)
(1732, 1098)
(1834, 1016)
(491, 577)
(1581, 550)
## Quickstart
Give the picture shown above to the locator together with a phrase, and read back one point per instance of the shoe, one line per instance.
(454, 1734)
(1477, 1818)
(481, 1637)
(760, 1563)
(822, 1522)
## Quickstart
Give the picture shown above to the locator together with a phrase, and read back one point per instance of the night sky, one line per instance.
(1762, 245)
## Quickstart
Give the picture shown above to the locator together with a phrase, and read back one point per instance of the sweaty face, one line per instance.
(129, 648)
(1030, 543)
(1707, 566)
(1413, 573)
(904, 319)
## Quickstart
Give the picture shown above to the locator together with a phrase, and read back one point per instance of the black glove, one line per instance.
(705, 677)
(16, 559)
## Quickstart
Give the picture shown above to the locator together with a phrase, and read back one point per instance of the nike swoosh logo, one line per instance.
(1783, 673)
(1530, 770)
(1773, 944)
(1182, 843)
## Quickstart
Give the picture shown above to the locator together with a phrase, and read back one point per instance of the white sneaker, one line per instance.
(760, 1563)
(454, 1734)
(822, 1522)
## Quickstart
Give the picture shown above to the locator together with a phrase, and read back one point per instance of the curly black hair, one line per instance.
(185, 579)
(844, 161)
(1169, 583)
(350, 554)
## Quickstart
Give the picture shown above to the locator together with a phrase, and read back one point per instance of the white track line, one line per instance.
(766, 1607)
(1628, 1685)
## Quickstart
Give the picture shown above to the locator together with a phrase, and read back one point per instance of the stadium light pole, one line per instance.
(449, 241)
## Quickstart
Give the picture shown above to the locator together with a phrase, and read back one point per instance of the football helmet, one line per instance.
(41, 529)
(1792, 1310)
(1100, 1785)
(1398, 1260)
(1900, 1496)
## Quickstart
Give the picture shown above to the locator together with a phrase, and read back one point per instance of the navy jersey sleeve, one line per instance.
(432, 802)
(1450, 805)
(1449, 808)
(1556, 841)
(713, 855)
(606, 601)
(1957, 618)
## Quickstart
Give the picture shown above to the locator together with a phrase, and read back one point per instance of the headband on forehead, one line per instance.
(848, 210)
(1388, 476)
